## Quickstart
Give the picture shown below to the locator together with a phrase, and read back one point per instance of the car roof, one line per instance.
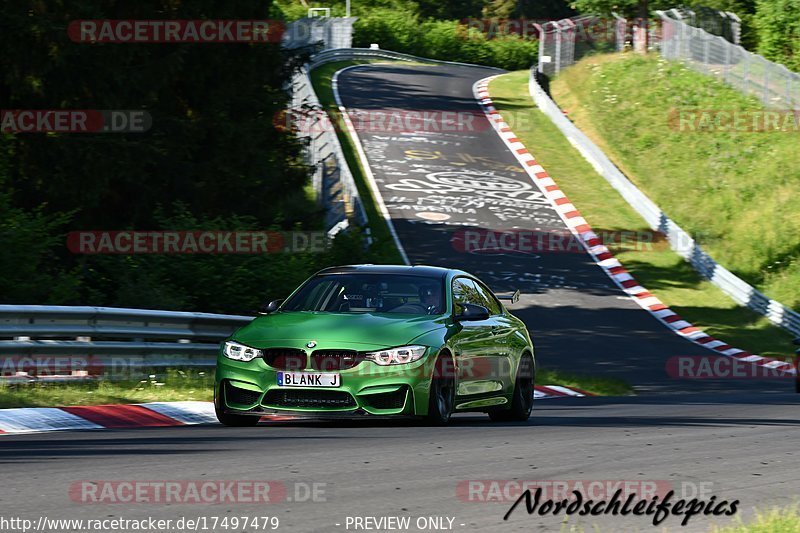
(417, 270)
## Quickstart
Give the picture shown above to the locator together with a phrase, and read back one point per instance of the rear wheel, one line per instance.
(228, 419)
(522, 402)
(442, 397)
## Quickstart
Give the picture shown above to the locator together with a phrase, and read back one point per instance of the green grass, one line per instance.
(775, 520)
(383, 249)
(174, 385)
(177, 385)
(660, 270)
(737, 190)
(600, 386)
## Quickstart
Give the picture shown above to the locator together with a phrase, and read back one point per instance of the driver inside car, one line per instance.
(430, 298)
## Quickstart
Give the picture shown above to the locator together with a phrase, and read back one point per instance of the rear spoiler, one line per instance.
(512, 297)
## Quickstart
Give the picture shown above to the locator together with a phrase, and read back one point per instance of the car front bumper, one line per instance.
(368, 389)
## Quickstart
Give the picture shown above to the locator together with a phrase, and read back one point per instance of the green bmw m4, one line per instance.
(368, 340)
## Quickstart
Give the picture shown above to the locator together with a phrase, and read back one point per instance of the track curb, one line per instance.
(155, 414)
(601, 255)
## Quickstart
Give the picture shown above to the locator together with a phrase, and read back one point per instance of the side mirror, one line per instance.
(472, 312)
(269, 308)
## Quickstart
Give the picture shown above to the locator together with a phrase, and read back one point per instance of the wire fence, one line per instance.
(563, 42)
(722, 23)
(774, 84)
(319, 33)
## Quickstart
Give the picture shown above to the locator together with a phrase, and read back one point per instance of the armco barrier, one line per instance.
(108, 336)
(349, 54)
(333, 179)
(152, 338)
(680, 241)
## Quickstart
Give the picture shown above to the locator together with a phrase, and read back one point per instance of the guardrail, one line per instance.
(92, 339)
(346, 54)
(79, 342)
(680, 241)
(333, 179)
(108, 337)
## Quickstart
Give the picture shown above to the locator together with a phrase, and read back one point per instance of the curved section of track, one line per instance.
(435, 185)
(732, 445)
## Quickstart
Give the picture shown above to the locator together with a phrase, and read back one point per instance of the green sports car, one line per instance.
(365, 340)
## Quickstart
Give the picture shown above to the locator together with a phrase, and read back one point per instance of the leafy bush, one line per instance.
(442, 39)
(212, 160)
(778, 26)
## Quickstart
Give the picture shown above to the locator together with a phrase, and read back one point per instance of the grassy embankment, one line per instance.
(174, 385)
(700, 180)
(383, 249)
(178, 385)
(775, 520)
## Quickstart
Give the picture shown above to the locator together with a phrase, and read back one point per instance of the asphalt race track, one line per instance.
(579, 319)
(746, 448)
(736, 439)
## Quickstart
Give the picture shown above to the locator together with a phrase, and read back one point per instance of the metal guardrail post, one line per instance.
(620, 31)
(558, 47)
(541, 54)
(797, 366)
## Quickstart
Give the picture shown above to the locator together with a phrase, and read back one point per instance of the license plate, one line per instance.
(308, 379)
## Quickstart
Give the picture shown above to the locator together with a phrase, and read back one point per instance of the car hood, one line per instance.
(361, 331)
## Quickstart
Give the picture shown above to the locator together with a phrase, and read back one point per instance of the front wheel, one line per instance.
(522, 403)
(227, 419)
(442, 397)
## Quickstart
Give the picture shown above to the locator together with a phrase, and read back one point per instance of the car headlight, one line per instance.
(240, 352)
(396, 356)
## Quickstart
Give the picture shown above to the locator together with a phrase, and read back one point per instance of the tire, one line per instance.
(230, 420)
(442, 397)
(522, 402)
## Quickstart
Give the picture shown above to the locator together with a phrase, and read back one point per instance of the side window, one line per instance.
(492, 304)
(465, 291)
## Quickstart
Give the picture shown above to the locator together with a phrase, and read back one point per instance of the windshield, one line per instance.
(369, 293)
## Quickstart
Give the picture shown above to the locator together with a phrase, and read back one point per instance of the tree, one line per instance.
(212, 158)
(778, 26)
